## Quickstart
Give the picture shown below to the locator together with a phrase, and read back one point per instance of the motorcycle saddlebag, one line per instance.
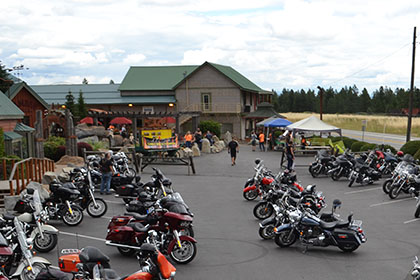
(120, 234)
(67, 263)
(22, 206)
(117, 221)
(137, 207)
(120, 180)
(125, 190)
(346, 236)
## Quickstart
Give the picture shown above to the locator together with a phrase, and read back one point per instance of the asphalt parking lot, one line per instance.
(229, 246)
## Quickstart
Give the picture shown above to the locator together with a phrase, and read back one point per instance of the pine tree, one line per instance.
(70, 102)
(111, 82)
(81, 106)
(5, 82)
(85, 81)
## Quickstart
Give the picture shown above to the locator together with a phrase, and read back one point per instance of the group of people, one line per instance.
(197, 137)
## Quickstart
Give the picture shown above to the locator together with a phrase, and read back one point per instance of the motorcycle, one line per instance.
(342, 166)
(363, 174)
(415, 191)
(386, 162)
(61, 203)
(17, 259)
(259, 183)
(127, 236)
(322, 164)
(406, 179)
(311, 230)
(44, 236)
(406, 160)
(415, 271)
(90, 263)
(95, 207)
(120, 161)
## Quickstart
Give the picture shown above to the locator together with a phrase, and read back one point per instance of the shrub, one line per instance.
(1, 143)
(411, 147)
(386, 147)
(348, 142)
(97, 145)
(335, 138)
(355, 147)
(212, 126)
(277, 134)
(417, 154)
(82, 145)
(51, 147)
(61, 151)
(367, 147)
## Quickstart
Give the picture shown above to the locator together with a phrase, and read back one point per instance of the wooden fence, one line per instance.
(25, 171)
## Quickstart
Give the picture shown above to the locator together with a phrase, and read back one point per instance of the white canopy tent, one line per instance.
(313, 124)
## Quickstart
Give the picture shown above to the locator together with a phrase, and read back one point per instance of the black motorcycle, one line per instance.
(322, 164)
(395, 175)
(406, 179)
(311, 230)
(342, 166)
(62, 203)
(363, 174)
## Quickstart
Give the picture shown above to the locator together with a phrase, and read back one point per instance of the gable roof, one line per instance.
(155, 77)
(312, 123)
(16, 87)
(8, 109)
(142, 78)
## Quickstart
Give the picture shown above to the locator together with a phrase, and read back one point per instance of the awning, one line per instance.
(313, 124)
(262, 123)
(21, 127)
(10, 136)
(278, 123)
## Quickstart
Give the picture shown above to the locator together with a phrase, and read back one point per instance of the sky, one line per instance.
(292, 44)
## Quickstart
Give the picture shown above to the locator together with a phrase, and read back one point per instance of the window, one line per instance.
(147, 109)
(206, 101)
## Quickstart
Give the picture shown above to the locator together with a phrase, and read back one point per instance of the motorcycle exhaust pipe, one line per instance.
(109, 243)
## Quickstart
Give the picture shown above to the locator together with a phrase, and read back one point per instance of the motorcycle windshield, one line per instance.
(177, 197)
(22, 239)
(37, 203)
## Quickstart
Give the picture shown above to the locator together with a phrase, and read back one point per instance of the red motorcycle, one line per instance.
(259, 183)
(127, 233)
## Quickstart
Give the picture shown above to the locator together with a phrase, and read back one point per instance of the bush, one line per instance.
(82, 145)
(51, 147)
(1, 143)
(277, 134)
(97, 145)
(348, 142)
(335, 138)
(61, 151)
(355, 147)
(212, 126)
(367, 147)
(417, 154)
(411, 147)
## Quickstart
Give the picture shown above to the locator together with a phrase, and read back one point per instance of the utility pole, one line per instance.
(321, 90)
(410, 102)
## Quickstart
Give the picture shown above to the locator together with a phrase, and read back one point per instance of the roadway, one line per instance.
(378, 138)
(229, 246)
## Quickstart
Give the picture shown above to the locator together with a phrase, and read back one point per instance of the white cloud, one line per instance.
(134, 59)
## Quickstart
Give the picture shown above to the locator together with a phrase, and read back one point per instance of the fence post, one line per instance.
(17, 180)
(39, 170)
(43, 168)
(22, 175)
(4, 169)
(27, 172)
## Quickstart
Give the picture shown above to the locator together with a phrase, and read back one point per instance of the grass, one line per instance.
(393, 125)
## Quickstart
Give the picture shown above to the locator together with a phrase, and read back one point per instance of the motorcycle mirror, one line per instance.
(257, 161)
(336, 203)
(30, 191)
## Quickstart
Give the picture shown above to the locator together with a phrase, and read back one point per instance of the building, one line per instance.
(218, 92)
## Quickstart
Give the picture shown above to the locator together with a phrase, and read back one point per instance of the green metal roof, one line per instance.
(10, 135)
(16, 87)
(143, 78)
(8, 109)
(264, 110)
(96, 94)
(155, 77)
(21, 127)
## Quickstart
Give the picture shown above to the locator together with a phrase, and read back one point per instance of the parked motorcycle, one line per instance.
(259, 183)
(342, 166)
(61, 205)
(406, 179)
(363, 174)
(311, 230)
(44, 236)
(415, 271)
(395, 176)
(120, 161)
(322, 164)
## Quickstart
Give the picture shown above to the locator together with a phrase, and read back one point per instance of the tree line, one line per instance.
(347, 100)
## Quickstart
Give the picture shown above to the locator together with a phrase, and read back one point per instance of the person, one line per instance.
(303, 142)
(198, 136)
(270, 142)
(261, 142)
(290, 154)
(253, 140)
(123, 131)
(209, 137)
(188, 139)
(107, 170)
(233, 148)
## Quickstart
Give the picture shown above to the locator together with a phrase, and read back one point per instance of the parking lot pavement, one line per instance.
(228, 243)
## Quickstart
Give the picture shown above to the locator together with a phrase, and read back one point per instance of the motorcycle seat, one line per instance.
(93, 255)
(335, 224)
(136, 216)
(138, 227)
(110, 274)
(8, 216)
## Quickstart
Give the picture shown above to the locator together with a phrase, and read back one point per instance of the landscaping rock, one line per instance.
(205, 146)
(215, 149)
(92, 139)
(118, 141)
(49, 177)
(127, 142)
(215, 139)
(188, 152)
(227, 137)
(196, 150)
(220, 145)
(72, 160)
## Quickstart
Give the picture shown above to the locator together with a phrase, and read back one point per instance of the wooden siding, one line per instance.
(28, 104)
(8, 125)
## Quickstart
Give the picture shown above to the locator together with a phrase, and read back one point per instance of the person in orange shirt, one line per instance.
(188, 139)
(261, 141)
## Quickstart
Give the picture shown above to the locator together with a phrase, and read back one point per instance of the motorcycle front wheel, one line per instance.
(130, 172)
(266, 232)
(45, 244)
(33, 273)
(313, 172)
(394, 191)
(335, 176)
(99, 210)
(351, 181)
(185, 254)
(250, 195)
(282, 238)
(263, 210)
(417, 213)
(75, 219)
(386, 186)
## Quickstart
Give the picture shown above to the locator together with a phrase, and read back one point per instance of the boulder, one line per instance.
(106, 142)
(64, 177)
(83, 133)
(215, 139)
(49, 177)
(82, 126)
(127, 142)
(99, 131)
(196, 150)
(205, 146)
(118, 141)
(180, 153)
(219, 145)
(215, 149)
(188, 152)
(91, 139)
(72, 160)
(67, 169)
(227, 137)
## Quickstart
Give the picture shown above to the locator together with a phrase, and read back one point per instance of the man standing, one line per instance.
(198, 137)
(107, 172)
(290, 154)
(261, 137)
(233, 147)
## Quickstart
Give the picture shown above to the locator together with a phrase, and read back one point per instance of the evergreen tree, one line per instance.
(85, 81)
(5, 82)
(70, 102)
(81, 106)
(111, 82)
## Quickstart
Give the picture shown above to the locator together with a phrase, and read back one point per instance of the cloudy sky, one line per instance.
(276, 44)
